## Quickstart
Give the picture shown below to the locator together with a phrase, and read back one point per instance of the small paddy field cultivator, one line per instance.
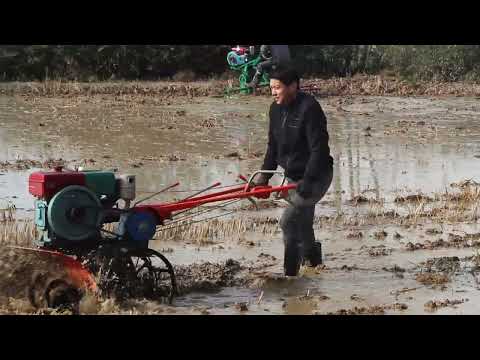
(86, 223)
(244, 61)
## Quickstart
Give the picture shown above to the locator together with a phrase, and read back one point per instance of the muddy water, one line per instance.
(396, 154)
(383, 147)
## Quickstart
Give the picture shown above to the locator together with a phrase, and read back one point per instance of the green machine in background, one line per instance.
(242, 59)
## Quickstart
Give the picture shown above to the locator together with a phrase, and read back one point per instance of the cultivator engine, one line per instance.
(72, 209)
(245, 61)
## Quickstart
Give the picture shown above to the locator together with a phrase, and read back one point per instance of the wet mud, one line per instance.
(399, 225)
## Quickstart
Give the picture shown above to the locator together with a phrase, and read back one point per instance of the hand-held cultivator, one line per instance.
(71, 209)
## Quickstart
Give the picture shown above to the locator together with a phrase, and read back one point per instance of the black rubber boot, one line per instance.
(292, 260)
(314, 256)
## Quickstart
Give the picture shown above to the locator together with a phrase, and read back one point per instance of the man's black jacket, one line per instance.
(298, 139)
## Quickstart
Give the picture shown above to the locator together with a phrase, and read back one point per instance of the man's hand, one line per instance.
(304, 189)
(261, 180)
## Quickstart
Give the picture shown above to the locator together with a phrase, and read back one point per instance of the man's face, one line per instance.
(282, 93)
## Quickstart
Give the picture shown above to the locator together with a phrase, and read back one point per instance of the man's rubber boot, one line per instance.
(291, 260)
(314, 257)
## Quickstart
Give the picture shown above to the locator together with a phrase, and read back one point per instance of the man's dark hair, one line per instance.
(286, 74)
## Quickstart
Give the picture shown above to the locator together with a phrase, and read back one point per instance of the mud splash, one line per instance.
(19, 271)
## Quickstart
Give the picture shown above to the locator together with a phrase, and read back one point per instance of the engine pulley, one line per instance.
(74, 213)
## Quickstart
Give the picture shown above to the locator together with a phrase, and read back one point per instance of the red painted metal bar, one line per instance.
(233, 190)
(202, 191)
(240, 188)
(164, 211)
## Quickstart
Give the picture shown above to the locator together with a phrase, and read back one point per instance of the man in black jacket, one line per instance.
(298, 142)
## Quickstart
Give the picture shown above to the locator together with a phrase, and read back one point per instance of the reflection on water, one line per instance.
(421, 159)
(416, 144)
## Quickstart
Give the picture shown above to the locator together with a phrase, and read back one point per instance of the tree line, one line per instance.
(153, 62)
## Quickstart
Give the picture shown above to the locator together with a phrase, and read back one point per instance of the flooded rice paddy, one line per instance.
(399, 225)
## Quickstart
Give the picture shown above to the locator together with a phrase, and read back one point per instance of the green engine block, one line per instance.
(74, 212)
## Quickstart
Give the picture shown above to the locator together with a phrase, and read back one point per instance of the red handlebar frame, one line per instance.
(164, 211)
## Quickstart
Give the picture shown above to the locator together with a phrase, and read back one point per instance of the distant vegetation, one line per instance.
(190, 62)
